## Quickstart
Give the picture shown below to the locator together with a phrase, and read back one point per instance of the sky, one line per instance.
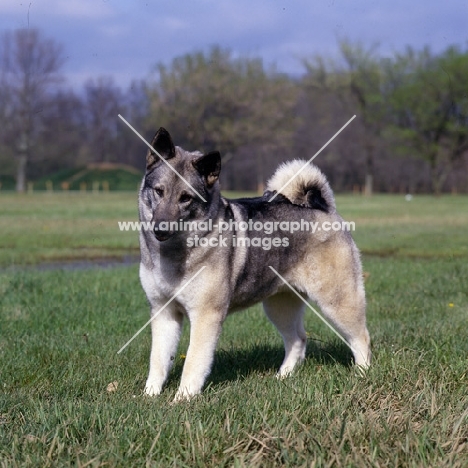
(126, 39)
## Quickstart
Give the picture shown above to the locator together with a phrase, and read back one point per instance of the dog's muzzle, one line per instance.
(162, 235)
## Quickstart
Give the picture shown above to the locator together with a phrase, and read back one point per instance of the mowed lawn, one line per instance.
(68, 399)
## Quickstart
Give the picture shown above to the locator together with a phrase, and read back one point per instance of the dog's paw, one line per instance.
(152, 389)
(361, 370)
(284, 373)
(184, 394)
(181, 396)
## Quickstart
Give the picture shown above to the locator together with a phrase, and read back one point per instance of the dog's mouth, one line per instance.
(162, 236)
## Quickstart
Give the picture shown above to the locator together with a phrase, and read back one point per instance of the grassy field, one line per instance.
(60, 332)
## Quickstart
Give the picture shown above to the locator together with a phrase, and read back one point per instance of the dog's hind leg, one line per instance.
(341, 298)
(165, 332)
(286, 312)
(348, 319)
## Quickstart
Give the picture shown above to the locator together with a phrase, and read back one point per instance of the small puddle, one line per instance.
(75, 265)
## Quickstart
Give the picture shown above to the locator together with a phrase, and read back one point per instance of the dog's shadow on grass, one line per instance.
(232, 364)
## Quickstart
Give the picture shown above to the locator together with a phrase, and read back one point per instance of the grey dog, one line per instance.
(213, 272)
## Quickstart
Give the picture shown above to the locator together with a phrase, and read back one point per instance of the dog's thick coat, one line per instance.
(324, 266)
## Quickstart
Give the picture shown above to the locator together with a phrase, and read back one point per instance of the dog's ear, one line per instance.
(162, 143)
(209, 167)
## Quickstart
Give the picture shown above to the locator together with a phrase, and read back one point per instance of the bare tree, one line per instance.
(135, 108)
(61, 143)
(103, 101)
(30, 65)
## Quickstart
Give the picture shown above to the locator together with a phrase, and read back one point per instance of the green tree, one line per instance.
(429, 105)
(358, 81)
(215, 101)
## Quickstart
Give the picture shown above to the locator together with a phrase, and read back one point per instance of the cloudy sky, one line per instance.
(125, 39)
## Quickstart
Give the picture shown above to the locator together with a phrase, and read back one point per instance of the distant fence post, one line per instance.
(105, 186)
(82, 186)
(65, 186)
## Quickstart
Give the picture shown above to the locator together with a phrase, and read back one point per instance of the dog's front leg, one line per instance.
(165, 333)
(205, 328)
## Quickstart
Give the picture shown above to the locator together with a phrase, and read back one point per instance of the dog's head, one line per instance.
(178, 185)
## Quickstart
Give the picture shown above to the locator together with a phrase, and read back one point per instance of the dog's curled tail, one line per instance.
(307, 185)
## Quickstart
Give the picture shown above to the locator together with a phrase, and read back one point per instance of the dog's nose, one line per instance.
(162, 234)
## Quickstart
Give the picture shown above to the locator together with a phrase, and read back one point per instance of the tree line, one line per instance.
(410, 134)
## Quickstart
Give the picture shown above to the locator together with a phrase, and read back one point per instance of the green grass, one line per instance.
(426, 227)
(43, 227)
(60, 332)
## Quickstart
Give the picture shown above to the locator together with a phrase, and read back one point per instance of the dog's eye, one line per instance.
(158, 191)
(185, 198)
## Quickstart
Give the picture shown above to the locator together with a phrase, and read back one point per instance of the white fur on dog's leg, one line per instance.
(165, 331)
(286, 312)
(152, 388)
(288, 368)
(205, 329)
(362, 355)
(360, 345)
(295, 354)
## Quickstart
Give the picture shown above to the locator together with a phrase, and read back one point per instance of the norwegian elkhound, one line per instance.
(205, 259)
